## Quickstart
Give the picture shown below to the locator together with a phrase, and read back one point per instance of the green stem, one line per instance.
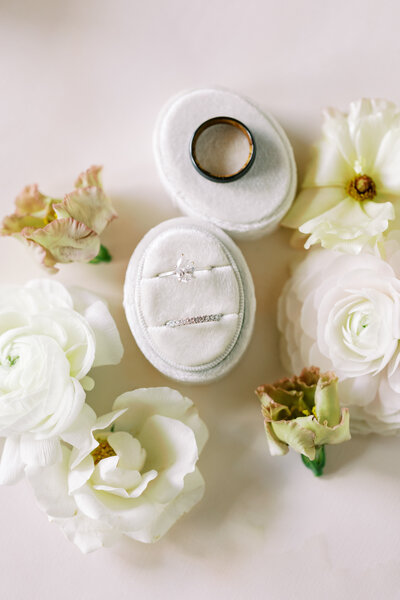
(103, 256)
(316, 465)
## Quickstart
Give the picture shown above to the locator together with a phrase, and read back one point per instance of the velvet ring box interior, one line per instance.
(189, 300)
(249, 207)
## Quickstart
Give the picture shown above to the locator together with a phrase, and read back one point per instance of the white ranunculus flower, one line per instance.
(50, 338)
(132, 472)
(342, 312)
(352, 188)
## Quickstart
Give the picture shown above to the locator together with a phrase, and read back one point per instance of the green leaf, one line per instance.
(316, 465)
(103, 256)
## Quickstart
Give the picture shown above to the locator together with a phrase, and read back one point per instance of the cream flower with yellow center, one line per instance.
(131, 472)
(352, 189)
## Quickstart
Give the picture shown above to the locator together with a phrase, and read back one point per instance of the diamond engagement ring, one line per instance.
(184, 270)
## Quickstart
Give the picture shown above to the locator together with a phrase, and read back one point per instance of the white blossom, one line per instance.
(342, 313)
(132, 472)
(50, 338)
(351, 191)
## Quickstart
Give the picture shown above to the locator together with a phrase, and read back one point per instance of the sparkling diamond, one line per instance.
(194, 320)
(184, 269)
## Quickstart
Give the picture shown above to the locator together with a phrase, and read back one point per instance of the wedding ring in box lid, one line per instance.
(252, 196)
(189, 300)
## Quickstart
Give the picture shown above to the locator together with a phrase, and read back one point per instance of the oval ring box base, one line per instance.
(195, 323)
(249, 207)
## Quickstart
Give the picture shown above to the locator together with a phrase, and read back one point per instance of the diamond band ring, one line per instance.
(194, 320)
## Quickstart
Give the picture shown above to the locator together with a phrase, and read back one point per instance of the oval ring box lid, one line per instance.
(251, 206)
(214, 291)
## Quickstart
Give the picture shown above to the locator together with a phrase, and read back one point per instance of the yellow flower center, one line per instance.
(362, 187)
(103, 450)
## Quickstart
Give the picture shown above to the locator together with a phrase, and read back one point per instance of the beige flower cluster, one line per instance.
(62, 231)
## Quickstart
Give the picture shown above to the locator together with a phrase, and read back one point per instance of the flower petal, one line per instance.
(90, 177)
(312, 202)
(67, 240)
(131, 454)
(276, 447)
(349, 226)
(109, 349)
(80, 433)
(296, 435)
(386, 165)
(88, 534)
(328, 167)
(30, 201)
(79, 476)
(172, 451)
(39, 452)
(11, 464)
(166, 516)
(145, 402)
(336, 130)
(50, 487)
(13, 224)
(89, 206)
(134, 489)
(41, 254)
(331, 435)
(46, 294)
(369, 121)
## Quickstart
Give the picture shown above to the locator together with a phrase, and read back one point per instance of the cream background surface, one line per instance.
(82, 83)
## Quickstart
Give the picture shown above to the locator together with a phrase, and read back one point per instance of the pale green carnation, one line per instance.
(303, 413)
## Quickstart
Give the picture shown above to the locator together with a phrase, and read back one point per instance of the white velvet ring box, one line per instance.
(249, 207)
(189, 300)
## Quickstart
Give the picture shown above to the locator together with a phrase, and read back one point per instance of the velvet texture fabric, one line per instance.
(253, 205)
(220, 286)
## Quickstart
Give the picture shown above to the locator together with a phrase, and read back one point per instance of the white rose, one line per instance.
(132, 472)
(342, 313)
(49, 340)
